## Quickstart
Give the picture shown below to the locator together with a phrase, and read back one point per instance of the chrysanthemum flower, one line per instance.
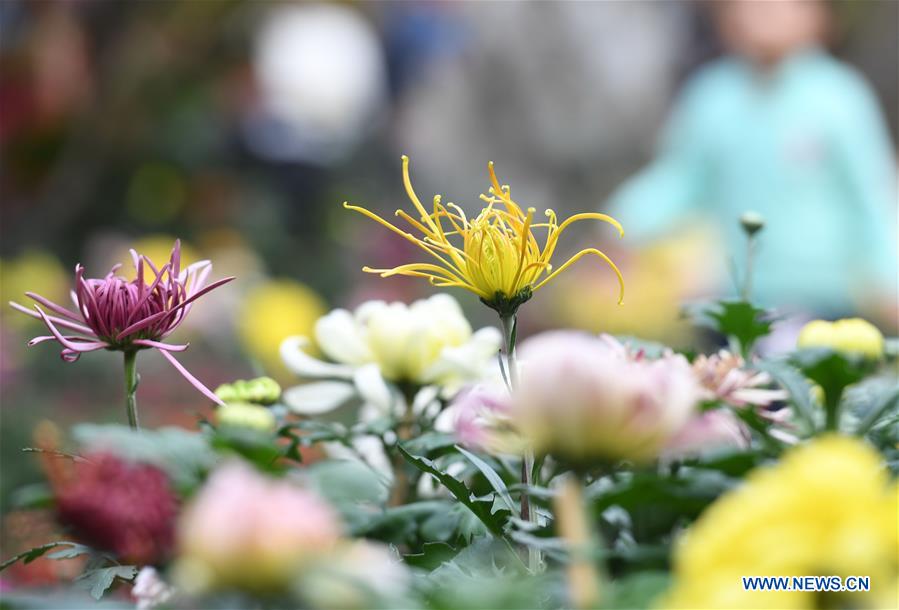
(723, 376)
(585, 398)
(115, 313)
(119, 506)
(827, 508)
(495, 255)
(246, 531)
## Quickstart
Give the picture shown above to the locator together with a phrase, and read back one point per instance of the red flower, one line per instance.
(118, 506)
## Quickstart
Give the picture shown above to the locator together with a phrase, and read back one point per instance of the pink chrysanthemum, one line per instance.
(115, 313)
(723, 376)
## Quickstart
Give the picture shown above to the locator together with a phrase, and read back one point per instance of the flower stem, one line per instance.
(573, 525)
(509, 325)
(131, 380)
(746, 289)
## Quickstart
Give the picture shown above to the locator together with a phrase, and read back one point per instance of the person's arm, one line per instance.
(865, 157)
(654, 200)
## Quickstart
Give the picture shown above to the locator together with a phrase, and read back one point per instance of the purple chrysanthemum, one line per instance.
(115, 313)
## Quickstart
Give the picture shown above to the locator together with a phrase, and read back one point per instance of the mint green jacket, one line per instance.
(807, 147)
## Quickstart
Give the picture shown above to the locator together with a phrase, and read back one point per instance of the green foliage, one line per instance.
(73, 549)
(99, 580)
(483, 509)
(185, 456)
(742, 322)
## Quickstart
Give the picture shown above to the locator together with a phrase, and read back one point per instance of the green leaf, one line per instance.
(658, 504)
(884, 405)
(637, 591)
(38, 551)
(431, 444)
(834, 372)
(72, 551)
(347, 482)
(460, 491)
(184, 455)
(493, 478)
(432, 556)
(739, 320)
(728, 461)
(99, 581)
(796, 384)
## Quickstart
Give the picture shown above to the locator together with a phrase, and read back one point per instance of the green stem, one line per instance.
(131, 380)
(746, 292)
(832, 410)
(527, 464)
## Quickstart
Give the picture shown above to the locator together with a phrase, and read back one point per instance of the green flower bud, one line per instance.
(260, 391)
(752, 223)
(244, 415)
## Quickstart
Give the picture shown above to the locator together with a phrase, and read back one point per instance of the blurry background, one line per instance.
(241, 127)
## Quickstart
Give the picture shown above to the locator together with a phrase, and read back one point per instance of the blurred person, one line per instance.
(780, 127)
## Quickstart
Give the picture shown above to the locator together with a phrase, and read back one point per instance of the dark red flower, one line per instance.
(118, 506)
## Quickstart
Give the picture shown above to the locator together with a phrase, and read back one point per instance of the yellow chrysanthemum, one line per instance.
(495, 255)
(827, 509)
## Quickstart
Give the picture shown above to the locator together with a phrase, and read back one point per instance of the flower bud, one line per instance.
(752, 222)
(245, 415)
(850, 336)
(260, 391)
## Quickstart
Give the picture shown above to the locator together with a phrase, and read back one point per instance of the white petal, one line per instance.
(341, 338)
(318, 397)
(295, 357)
(373, 389)
(425, 398)
(469, 361)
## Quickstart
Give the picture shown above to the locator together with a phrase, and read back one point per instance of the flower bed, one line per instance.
(419, 463)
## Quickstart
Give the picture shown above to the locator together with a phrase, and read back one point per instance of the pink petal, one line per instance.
(141, 324)
(140, 302)
(169, 347)
(59, 321)
(53, 306)
(68, 343)
(193, 380)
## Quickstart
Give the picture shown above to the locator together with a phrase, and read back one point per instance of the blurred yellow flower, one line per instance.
(826, 509)
(852, 336)
(496, 254)
(660, 276)
(36, 271)
(273, 311)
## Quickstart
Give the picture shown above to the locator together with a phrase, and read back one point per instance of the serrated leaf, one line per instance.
(738, 319)
(493, 478)
(100, 580)
(460, 491)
